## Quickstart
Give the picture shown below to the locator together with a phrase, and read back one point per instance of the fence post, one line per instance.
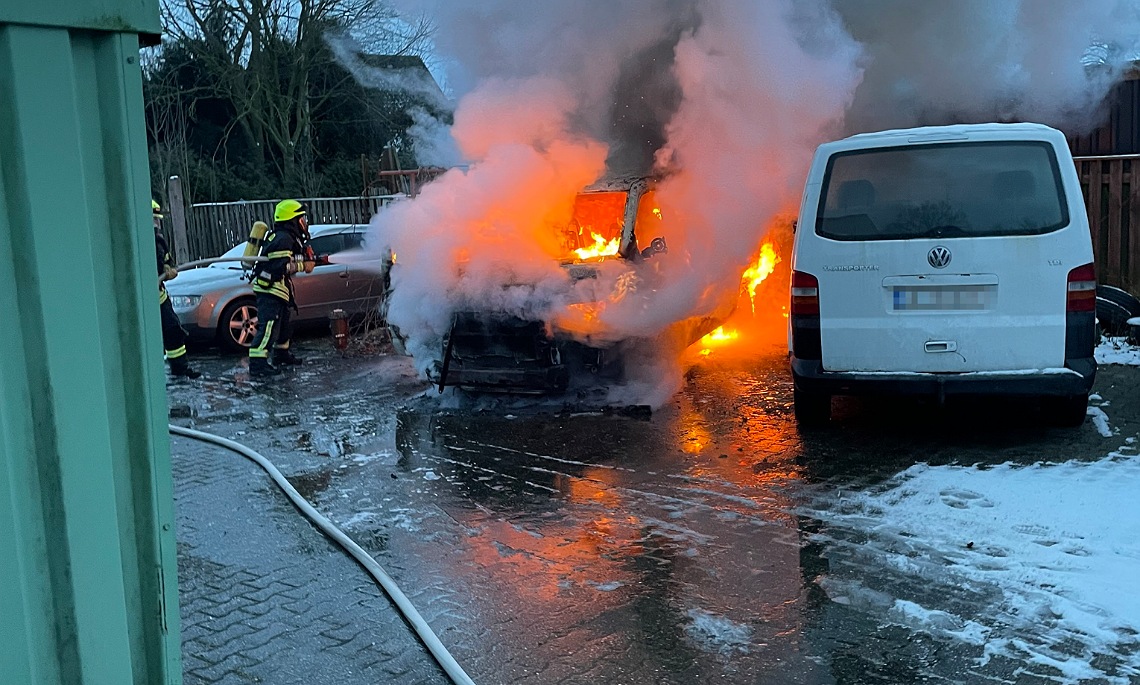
(181, 247)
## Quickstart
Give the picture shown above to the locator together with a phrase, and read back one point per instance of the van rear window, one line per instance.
(943, 190)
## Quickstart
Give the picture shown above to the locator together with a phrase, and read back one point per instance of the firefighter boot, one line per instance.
(260, 366)
(286, 358)
(180, 367)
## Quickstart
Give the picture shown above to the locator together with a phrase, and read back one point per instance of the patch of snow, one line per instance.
(359, 517)
(1117, 351)
(718, 632)
(431, 475)
(1100, 420)
(1058, 545)
(386, 458)
(938, 622)
(607, 587)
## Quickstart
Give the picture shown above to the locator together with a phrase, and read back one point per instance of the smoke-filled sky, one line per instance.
(724, 99)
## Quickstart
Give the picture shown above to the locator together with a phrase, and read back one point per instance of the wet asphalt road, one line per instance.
(567, 546)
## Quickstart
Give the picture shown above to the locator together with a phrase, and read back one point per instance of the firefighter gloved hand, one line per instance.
(309, 267)
(169, 273)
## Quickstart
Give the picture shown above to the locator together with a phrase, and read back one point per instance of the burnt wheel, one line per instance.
(812, 409)
(1069, 412)
(238, 325)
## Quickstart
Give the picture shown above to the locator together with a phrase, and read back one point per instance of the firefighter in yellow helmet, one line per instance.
(173, 336)
(284, 245)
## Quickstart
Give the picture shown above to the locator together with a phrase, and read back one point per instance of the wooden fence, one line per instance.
(214, 227)
(1111, 187)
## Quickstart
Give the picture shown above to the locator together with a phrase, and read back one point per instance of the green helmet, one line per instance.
(156, 209)
(288, 210)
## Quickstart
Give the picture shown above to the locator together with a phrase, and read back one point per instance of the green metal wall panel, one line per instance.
(86, 516)
(120, 16)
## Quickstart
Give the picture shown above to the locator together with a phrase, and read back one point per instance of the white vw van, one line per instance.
(944, 260)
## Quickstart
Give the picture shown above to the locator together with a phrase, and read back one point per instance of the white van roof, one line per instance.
(935, 134)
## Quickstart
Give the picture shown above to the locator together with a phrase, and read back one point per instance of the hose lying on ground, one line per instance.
(448, 663)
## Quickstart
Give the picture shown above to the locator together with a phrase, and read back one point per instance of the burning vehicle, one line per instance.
(612, 260)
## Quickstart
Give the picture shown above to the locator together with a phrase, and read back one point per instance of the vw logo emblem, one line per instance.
(939, 257)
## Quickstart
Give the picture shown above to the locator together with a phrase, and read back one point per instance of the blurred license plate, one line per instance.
(926, 298)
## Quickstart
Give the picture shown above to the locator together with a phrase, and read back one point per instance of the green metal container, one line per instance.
(87, 559)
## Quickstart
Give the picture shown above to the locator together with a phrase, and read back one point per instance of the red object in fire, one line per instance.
(338, 324)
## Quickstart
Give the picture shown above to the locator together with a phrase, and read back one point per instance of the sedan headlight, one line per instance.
(185, 302)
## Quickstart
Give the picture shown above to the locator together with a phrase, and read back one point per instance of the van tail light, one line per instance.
(1081, 295)
(805, 294)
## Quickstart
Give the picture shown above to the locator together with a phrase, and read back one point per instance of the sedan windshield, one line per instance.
(942, 191)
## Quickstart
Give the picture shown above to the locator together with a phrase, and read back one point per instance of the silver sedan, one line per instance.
(215, 303)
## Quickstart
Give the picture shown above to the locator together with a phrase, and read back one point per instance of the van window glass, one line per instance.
(942, 191)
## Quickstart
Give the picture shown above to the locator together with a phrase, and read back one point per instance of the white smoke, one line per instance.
(760, 84)
(726, 100)
(470, 239)
(987, 60)
(416, 82)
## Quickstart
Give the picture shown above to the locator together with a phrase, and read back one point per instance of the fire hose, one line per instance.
(248, 261)
(213, 260)
(429, 639)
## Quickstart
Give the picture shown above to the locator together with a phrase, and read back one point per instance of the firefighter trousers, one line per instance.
(173, 335)
(274, 326)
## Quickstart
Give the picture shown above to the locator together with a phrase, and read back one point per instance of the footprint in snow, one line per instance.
(963, 499)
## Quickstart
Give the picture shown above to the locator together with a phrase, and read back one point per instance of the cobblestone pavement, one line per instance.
(552, 545)
(264, 596)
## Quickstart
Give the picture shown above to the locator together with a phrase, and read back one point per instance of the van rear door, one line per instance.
(944, 257)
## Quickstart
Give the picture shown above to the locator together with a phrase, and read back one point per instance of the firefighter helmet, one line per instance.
(288, 210)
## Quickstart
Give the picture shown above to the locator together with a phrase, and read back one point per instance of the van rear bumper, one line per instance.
(1075, 379)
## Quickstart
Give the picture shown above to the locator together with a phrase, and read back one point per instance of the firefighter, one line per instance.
(284, 245)
(173, 336)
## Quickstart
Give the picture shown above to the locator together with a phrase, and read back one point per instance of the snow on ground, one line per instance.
(1034, 563)
(1055, 547)
(1117, 351)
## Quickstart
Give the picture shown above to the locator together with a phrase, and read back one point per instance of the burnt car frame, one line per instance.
(494, 351)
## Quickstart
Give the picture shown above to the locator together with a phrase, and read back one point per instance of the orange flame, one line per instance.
(754, 275)
(600, 248)
(718, 337)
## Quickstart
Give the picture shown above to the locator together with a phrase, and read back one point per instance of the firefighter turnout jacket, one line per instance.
(165, 262)
(273, 277)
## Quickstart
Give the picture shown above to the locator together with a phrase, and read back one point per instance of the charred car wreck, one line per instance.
(495, 351)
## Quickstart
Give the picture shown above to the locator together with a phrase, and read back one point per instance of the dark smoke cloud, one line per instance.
(617, 58)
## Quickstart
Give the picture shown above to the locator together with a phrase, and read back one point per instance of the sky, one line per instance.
(1057, 543)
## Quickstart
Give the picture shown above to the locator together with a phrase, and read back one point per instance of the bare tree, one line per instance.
(262, 53)
(167, 122)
